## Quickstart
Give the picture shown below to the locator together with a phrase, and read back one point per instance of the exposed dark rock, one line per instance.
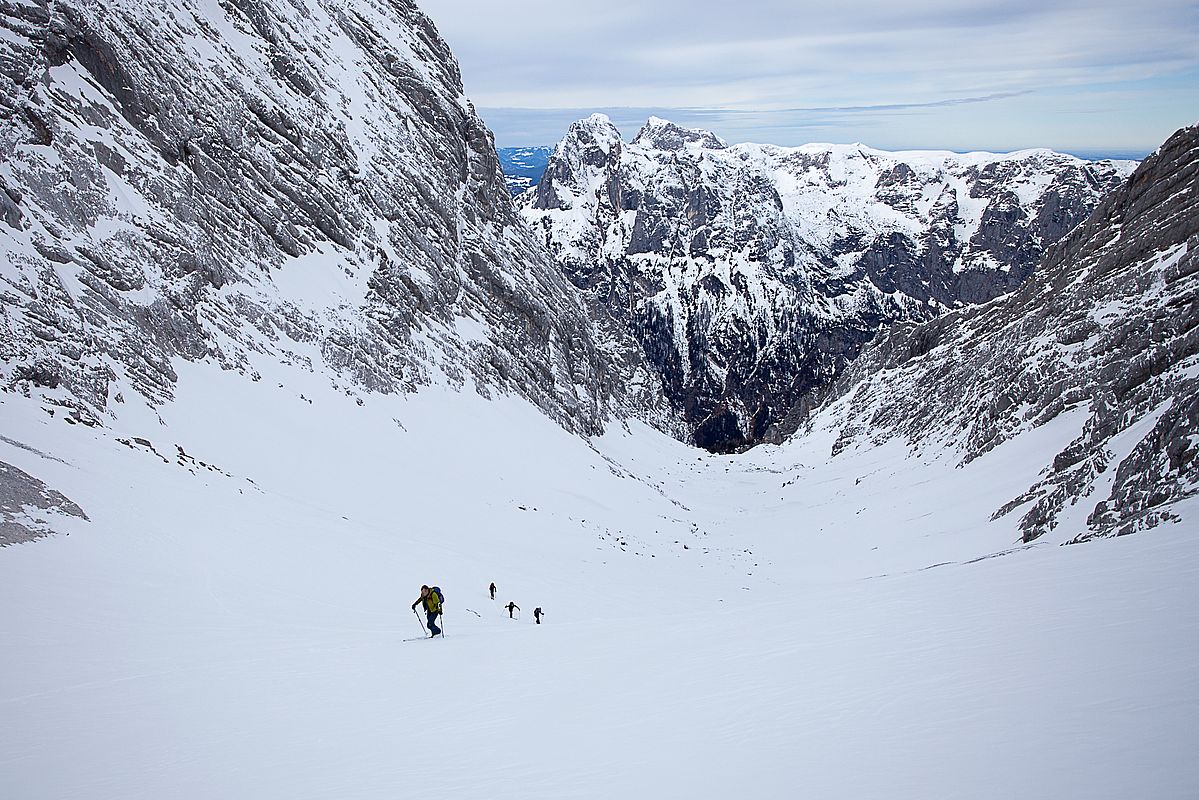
(1107, 327)
(29, 509)
(752, 274)
(183, 177)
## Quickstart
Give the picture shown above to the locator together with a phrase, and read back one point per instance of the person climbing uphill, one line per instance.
(537, 613)
(511, 606)
(492, 590)
(431, 599)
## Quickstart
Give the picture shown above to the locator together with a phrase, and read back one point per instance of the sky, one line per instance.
(1101, 77)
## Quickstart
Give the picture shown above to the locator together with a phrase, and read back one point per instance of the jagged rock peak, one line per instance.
(591, 147)
(665, 135)
(592, 142)
(597, 129)
(752, 273)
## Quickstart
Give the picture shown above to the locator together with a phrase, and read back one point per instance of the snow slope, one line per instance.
(217, 497)
(770, 624)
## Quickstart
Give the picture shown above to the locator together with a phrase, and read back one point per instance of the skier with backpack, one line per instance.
(432, 599)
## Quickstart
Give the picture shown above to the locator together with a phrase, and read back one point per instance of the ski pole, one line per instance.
(422, 625)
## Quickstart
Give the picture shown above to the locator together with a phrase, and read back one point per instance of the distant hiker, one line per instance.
(493, 590)
(431, 599)
(511, 606)
(537, 614)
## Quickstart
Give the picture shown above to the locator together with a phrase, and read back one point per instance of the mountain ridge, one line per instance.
(207, 181)
(752, 273)
(1109, 328)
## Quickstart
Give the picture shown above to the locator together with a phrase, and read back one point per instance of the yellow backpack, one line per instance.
(435, 599)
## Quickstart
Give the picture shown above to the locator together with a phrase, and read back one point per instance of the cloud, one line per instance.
(955, 101)
(771, 60)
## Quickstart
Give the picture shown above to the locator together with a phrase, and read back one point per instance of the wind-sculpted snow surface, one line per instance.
(1108, 330)
(751, 274)
(199, 180)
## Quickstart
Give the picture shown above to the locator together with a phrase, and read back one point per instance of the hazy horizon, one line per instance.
(1100, 78)
(629, 125)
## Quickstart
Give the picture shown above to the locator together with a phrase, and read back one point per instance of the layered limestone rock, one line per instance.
(751, 274)
(298, 181)
(1106, 330)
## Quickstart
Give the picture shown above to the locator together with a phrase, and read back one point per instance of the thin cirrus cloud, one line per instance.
(1105, 75)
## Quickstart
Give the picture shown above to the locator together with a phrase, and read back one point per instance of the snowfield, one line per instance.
(208, 598)
(777, 624)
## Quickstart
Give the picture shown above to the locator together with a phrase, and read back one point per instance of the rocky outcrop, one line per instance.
(1107, 330)
(298, 181)
(30, 510)
(751, 274)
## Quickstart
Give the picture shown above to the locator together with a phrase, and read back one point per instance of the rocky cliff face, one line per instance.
(751, 274)
(1104, 338)
(302, 180)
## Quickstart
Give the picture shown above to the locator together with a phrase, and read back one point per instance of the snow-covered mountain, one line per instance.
(1103, 339)
(304, 179)
(751, 274)
(225, 608)
(523, 166)
(230, 619)
(236, 234)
